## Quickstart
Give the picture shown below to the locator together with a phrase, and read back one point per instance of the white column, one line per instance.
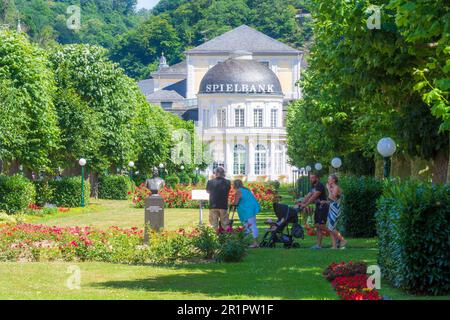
(267, 111)
(190, 79)
(251, 158)
(230, 115)
(229, 154)
(248, 115)
(272, 160)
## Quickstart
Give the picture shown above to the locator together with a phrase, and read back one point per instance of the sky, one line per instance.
(148, 4)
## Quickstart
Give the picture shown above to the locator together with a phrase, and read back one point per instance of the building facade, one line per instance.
(236, 88)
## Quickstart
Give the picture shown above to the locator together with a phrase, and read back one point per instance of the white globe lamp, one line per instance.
(336, 163)
(386, 148)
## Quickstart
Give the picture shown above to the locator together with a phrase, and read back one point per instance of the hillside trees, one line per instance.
(176, 26)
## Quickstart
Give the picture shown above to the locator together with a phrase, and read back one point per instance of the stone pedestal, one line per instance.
(154, 214)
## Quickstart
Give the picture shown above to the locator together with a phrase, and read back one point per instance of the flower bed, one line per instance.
(350, 281)
(344, 269)
(181, 196)
(35, 210)
(28, 242)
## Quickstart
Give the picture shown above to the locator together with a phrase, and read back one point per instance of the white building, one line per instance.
(236, 88)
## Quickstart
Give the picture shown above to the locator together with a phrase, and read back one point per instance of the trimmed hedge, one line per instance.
(67, 192)
(44, 192)
(16, 193)
(114, 187)
(360, 205)
(413, 222)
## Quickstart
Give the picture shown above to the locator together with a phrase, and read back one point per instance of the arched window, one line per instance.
(260, 160)
(239, 160)
(279, 159)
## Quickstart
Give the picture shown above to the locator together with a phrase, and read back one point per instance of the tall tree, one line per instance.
(28, 125)
(363, 79)
(424, 24)
(97, 88)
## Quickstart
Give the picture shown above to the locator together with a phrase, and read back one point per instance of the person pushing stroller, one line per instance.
(317, 196)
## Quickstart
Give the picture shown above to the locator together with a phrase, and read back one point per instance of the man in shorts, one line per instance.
(218, 189)
(318, 196)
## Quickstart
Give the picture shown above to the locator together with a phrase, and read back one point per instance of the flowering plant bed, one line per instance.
(344, 269)
(35, 210)
(29, 243)
(181, 196)
(350, 281)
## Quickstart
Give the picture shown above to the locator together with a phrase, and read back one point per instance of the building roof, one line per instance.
(164, 95)
(180, 87)
(190, 114)
(241, 76)
(243, 38)
(147, 86)
(179, 68)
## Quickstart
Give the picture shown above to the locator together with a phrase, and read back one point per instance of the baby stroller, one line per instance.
(285, 230)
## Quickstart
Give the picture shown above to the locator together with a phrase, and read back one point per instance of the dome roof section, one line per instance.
(243, 76)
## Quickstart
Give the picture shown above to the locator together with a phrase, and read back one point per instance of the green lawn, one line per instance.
(265, 273)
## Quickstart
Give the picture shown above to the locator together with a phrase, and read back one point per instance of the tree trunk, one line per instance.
(440, 167)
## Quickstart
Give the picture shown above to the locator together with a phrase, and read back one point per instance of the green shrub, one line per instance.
(202, 180)
(172, 181)
(16, 193)
(67, 192)
(114, 187)
(185, 178)
(206, 242)
(413, 223)
(359, 205)
(44, 192)
(233, 246)
(275, 184)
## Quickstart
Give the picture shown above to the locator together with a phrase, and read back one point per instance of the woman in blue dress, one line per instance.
(247, 208)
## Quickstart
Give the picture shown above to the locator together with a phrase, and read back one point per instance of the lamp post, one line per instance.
(196, 175)
(161, 170)
(82, 162)
(336, 163)
(308, 174)
(318, 166)
(131, 166)
(301, 174)
(386, 148)
(294, 176)
(182, 175)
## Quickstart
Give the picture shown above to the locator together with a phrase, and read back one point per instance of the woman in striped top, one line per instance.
(334, 199)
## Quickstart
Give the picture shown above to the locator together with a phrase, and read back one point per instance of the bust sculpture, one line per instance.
(155, 184)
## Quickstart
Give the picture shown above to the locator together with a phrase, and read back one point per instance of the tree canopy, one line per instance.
(28, 124)
(359, 87)
(176, 26)
(70, 102)
(137, 39)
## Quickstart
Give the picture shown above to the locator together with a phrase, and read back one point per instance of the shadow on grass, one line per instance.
(265, 273)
